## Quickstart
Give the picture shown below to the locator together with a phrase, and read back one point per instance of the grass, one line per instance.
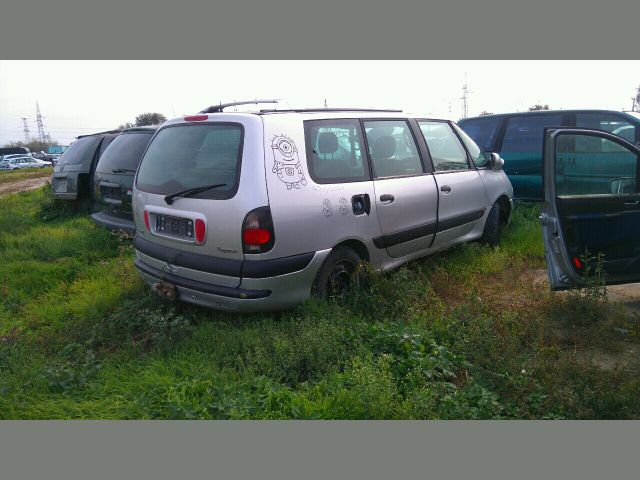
(464, 334)
(8, 176)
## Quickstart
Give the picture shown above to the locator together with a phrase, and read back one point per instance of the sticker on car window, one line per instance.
(286, 163)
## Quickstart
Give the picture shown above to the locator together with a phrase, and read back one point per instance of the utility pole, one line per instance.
(325, 103)
(465, 98)
(39, 118)
(25, 129)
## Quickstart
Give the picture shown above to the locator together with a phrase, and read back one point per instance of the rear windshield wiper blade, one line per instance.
(123, 170)
(191, 191)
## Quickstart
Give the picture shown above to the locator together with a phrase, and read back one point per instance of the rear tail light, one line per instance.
(257, 231)
(200, 230)
(146, 220)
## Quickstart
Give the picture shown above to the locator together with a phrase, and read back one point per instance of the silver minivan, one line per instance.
(258, 211)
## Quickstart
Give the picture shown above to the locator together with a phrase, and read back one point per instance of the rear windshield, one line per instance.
(124, 153)
(78, 151)
(188, 156)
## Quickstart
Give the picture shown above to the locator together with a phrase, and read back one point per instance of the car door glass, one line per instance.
(334, 151)
(482, 130)
(590, 165)
(609, 123)
(479, 158)
(524, 134)
(445, 149)
(392, 149)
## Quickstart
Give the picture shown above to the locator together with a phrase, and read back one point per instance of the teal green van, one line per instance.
(518, 138)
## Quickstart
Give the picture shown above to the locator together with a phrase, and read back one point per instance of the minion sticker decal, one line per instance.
(286, 163)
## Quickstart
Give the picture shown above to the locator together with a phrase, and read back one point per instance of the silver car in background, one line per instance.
(258, 211)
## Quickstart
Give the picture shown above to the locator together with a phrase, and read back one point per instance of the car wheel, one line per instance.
(491, 232)
(337, 274)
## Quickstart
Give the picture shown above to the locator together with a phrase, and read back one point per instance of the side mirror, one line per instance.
(496, 162)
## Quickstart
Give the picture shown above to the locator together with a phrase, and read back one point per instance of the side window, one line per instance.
(609, 123)
(334, 151)
(524, 134)
(588, 165)
(446, 151)
(482, 130)
(392, 149)
(479, 158)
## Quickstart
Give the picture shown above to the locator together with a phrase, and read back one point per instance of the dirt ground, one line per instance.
(20, 185)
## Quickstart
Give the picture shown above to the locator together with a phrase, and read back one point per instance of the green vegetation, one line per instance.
(7, 176)
(470, 333)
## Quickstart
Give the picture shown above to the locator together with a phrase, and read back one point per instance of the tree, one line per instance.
(636, 101)
(150, 119)
(122, 126)
(537, 107)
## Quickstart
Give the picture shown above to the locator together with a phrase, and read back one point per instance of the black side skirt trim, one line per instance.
(386, 241)
(200, 286)
(459, 220)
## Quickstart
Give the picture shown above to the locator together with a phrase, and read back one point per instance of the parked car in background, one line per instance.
(24, 161)
(518, 138)
(14, 150)
(113, 178)
(255, 211)
(73, 175)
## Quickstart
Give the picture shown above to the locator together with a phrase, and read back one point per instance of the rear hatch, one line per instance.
(113, 179)
(72, 160)
(200, 230)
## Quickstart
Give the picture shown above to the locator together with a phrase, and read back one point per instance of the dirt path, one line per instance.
(20, 185)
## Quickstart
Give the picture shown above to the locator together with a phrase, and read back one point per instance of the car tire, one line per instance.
(336, 274)
(491, 232)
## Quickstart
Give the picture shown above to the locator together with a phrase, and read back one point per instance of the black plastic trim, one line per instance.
(459, 220)
(195, 261)
(386, 241)
(197, 286)
(224, 266)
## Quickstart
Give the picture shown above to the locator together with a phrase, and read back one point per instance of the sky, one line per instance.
(79, 97)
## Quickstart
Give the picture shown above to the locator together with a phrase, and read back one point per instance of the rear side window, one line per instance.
(125, 152)
(444, 147)
(609, 123)
(482, 130)
(524, 134)
(188, 156)
(392, 149)
(79, 150)
(334, 151)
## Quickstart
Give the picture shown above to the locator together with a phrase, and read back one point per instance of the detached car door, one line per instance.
(591, 213)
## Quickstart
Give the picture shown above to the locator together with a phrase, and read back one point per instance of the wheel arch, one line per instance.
(358, 246)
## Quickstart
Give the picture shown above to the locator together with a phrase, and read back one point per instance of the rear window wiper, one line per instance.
(123, 170)
(191, 191)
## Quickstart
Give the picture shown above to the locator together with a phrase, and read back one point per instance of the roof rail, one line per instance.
(222, 106)
(322, 109)
(99, 133)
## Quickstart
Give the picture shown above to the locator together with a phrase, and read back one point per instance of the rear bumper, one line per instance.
(113, 223)
(264, 285)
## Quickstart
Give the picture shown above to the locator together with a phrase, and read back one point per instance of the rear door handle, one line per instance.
(445, 188)
(387, 198)
(632, 204)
